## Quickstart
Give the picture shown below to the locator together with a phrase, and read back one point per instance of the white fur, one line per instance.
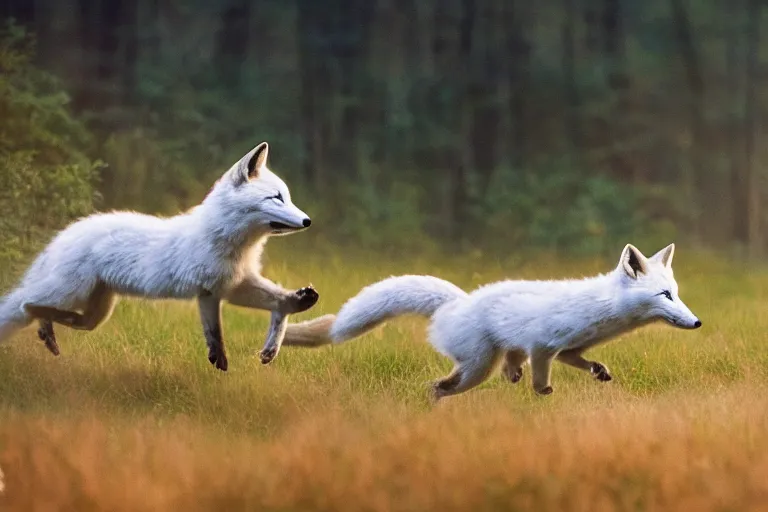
(525, 317)
(422, 295)
(208, 250)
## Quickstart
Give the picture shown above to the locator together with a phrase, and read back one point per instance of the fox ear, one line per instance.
(633, 262)
(665, 255)
(253, 162)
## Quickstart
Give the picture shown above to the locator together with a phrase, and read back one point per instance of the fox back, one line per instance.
(565, 314)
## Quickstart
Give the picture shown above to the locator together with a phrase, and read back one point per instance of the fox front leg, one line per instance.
(306, 298)
(573, 358)
(514, 360)
(210, 316)
(259, 292)
(541, 369)
(277, 326)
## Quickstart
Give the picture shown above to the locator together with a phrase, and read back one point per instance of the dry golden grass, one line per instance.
(683, 452)
(132, 417)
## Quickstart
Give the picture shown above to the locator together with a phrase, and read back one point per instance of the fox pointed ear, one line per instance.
(253, 162)
(633, 261)
(665, 255)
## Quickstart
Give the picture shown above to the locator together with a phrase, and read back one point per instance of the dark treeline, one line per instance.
(569, 124)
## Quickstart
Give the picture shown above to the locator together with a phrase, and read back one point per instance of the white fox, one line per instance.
(211, 252)
(518, 320)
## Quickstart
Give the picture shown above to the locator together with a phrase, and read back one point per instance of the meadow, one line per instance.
(133, 417)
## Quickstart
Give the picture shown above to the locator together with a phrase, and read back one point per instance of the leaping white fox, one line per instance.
(515, 320)
(211, 252)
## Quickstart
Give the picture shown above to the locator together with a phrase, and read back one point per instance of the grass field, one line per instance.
(132, 416)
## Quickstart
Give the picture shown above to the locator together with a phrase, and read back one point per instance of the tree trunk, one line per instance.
(315, 88)
(130, 52)
(619, 132)
(572, 116)
(519, 50)
(695, 107)
(425, 32)
(484, 95)
(355, 23)
(463, 160)
(613, 44)
(734, 126)
(752, 131)
(592, 28)
(233, 40)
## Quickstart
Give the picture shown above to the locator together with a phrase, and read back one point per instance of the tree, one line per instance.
(695, 106)
(47, 179)
(752, 130)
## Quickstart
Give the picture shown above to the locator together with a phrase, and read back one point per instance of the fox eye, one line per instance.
(666, 294)
(279, 197)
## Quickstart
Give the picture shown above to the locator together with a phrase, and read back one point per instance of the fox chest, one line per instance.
(204, 279)
(569, 338)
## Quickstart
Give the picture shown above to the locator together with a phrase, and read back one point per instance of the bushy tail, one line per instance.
(421, 295)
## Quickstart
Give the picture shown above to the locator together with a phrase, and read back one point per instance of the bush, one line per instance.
(558, 208)
(46, 178)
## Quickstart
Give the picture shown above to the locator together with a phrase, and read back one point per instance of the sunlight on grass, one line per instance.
(133, 417)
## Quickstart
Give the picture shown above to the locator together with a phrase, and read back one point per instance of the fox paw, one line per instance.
(267, 355)
(218, 359)
(435, 395)
(50, 340)
(600, 372)
(304, 298)
(513, 375)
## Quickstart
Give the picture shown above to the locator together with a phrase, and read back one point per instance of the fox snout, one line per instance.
(686, 324)
(694, 325)
(305, 223)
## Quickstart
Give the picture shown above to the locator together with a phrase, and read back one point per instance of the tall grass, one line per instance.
(133, 417)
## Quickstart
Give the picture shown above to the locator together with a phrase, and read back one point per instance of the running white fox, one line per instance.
(518, 320)
(211, 252)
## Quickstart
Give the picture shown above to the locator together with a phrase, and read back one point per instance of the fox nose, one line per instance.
(306, 222)
(697, 324)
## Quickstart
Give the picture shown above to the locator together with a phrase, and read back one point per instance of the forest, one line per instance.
(569, 126)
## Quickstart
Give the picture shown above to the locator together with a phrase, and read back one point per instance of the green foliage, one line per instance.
(587, 215)
(143, 173)
(46, 177)
(197, 107)
(36, 199)
(559, 207)
(470, 122)
(379, 216)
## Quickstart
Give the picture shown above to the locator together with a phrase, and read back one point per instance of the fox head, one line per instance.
(651, 289)
(254, 196)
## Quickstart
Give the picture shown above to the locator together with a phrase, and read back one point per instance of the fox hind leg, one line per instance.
(466, 375)
(46, 334)
(98, 308)
(68, 318)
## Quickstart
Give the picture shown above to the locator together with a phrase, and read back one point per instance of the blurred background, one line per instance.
(568, 126)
